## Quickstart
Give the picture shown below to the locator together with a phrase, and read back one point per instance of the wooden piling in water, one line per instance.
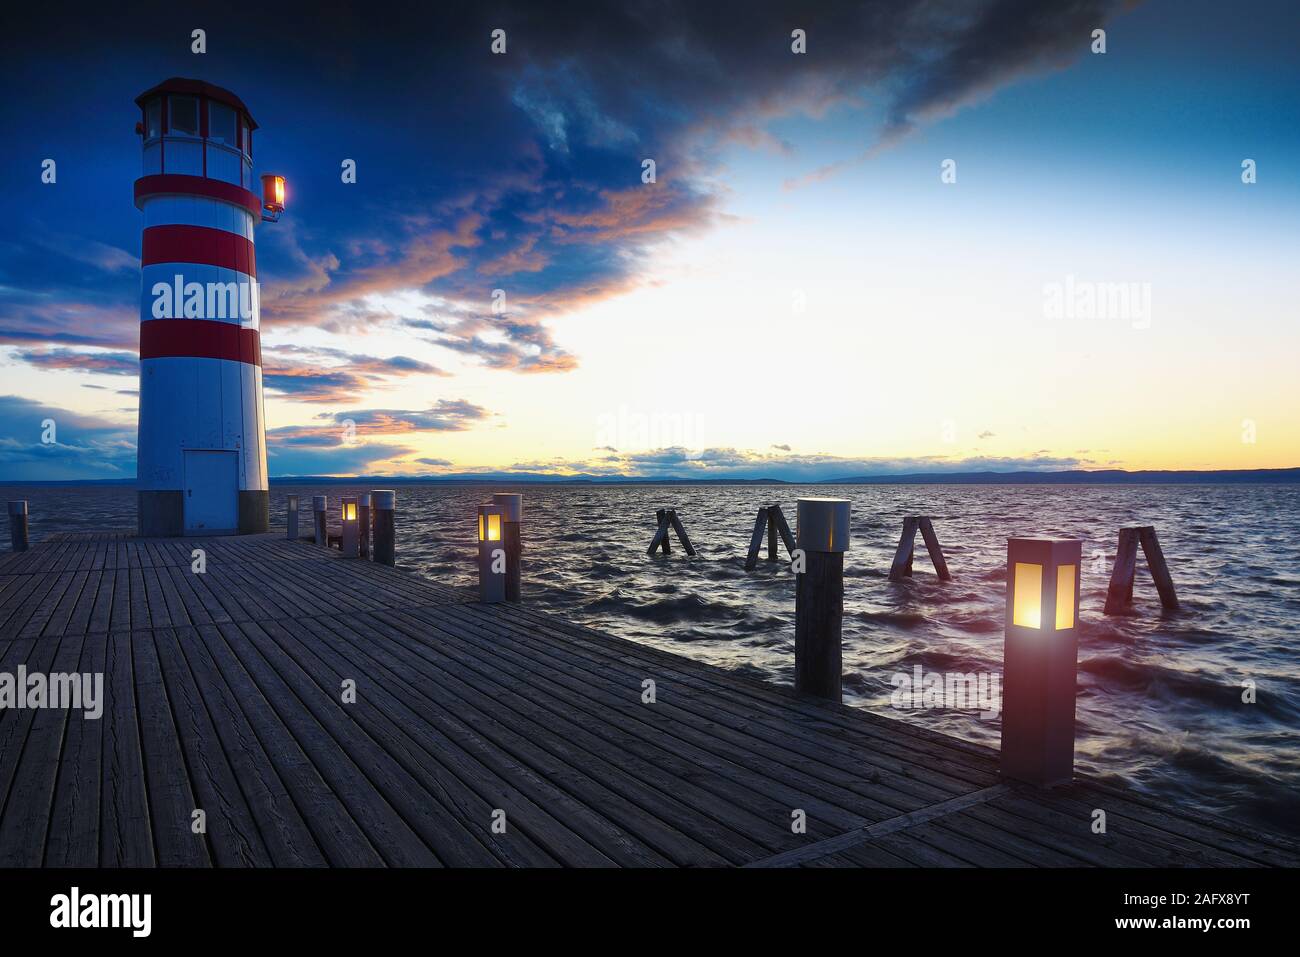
(680, 529)
(384, 502)
(667, 519)
(769, 518)
(902, 565)
(18, 539)
(1119, 594)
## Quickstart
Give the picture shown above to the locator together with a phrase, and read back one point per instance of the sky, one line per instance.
(947, 237)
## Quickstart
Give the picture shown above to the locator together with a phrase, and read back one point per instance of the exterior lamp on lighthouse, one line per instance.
(491, 554)
(272, 197)
(1040, 658)
(349, 543)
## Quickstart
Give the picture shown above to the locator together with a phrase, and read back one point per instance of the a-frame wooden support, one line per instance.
(771, 519)
(1119, 596)
(902, 567)
(667, 518)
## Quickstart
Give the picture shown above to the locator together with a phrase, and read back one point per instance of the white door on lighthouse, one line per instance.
(211, 491)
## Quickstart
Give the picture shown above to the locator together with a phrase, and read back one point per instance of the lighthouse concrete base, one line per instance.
(254, 511)
(159, 513)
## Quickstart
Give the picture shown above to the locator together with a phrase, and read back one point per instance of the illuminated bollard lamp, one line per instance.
(823, 538)
(291, 523)
(350, 541)
(512, 513)
(491, 554)
(1040, 658)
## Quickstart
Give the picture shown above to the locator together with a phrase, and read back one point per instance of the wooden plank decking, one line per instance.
(225, 693)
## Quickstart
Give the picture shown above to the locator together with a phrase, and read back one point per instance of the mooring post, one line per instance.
(1040, 658)
(771, 536)
(291, 520)
(680, 529)
(319, 504)
(1119, 594)
(512, 515)
(363, 524)
(492, 561)
(756, 540)
(1159, 569)
(823, 537)
(932, 546)
(384, 502)
(783, 528)
(18, 525)
(902, 566)
(350, 532)
(661, 533)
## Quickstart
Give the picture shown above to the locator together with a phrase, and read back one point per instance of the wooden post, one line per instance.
(1156, 564)
(384, 502)
(774, 513)
(661, 534)
(512, 510)
(902, 566)
(680, 529)
(756, 540)
(291, 522)
(18, 525)
(819, 597)
(319, 503)
(1120, 591)
(1119, 594)
(769, 517)
(932, 546)
(363, 524)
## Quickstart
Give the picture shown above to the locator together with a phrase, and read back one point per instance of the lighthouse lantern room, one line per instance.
(202, 438)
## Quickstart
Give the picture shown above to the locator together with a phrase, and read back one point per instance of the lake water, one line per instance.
(1159, 694)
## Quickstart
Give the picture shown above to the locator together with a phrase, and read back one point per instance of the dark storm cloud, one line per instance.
(475, 171)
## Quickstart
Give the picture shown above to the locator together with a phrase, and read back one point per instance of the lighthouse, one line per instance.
(202, 438)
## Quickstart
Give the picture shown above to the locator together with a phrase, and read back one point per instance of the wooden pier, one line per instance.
(480, 735)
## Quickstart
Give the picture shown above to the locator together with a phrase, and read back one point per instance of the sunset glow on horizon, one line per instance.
(806, 291)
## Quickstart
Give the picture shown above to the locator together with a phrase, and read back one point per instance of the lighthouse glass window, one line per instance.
(223, 125)
(184, 116)
(153, 119)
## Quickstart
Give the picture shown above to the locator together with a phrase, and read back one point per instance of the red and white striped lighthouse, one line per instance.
(202, 438)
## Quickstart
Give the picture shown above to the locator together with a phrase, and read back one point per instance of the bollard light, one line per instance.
(349, 543)
(1040, 660)
(291, 523)
(491, 554)
(512, 513)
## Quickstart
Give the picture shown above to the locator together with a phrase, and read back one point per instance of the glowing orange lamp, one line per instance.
(272, 196)
(491, 554)
(350, 544)
(1040, 659)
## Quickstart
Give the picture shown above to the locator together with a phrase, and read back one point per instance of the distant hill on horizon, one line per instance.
(1064, 477)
